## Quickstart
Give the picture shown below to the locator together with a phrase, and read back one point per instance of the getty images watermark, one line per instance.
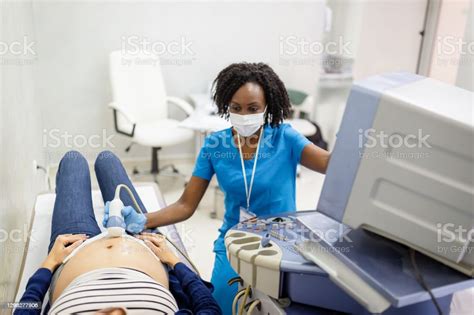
(372, 138)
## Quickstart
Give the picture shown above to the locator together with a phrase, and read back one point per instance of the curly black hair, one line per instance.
(230, 79)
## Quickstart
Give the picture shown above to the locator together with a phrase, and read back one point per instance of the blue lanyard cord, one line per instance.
(248, 191)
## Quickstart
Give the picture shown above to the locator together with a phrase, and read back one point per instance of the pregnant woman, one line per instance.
(121, 275)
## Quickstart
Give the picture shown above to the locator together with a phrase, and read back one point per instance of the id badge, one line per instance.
(245, 215)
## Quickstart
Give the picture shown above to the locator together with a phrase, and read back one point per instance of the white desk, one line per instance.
(203, 123)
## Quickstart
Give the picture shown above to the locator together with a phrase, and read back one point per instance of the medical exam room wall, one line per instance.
(75, 38)
(466, 62)
(20, 141)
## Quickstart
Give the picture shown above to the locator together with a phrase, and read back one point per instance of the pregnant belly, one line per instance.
(111, 252)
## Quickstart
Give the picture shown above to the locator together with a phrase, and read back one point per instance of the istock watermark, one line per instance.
(17, 52)
(293, 45)
(453, 45)
(393, 145)
(374, 138)
(300, 50)
(452, 233)
(453, 51)
(449, 232)
(56, 138)
(135, 44)
(14, 235)
(142, 50)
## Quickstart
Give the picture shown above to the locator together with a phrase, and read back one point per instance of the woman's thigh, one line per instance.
(110, 173)
(73, 211)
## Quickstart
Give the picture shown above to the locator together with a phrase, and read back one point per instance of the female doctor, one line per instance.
(254, 161)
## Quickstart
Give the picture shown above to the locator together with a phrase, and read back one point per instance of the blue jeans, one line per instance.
(73, 212)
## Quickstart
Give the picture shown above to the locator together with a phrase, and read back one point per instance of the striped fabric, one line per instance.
(102, 288)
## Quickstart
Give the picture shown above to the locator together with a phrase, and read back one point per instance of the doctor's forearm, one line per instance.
(172, 214)
(181, 209)
(315, 158)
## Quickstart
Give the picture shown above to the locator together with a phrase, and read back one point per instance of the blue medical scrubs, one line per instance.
(273, 188)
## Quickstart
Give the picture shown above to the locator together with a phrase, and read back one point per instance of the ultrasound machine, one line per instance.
(393, 230)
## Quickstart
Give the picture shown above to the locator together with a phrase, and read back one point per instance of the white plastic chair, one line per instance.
(140, 104)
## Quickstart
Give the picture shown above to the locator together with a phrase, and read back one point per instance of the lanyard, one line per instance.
(248, 191)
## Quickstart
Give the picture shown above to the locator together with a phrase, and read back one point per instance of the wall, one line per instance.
(346, 24)
(450, 31)
(466, 60)
(60, 84)
(381, 37)
(20, 140)
(75, 38)
(389, 37)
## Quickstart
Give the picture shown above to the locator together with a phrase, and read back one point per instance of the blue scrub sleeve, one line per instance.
(35, 291)
(203, 167)
(296, 141)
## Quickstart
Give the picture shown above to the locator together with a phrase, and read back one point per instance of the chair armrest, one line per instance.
(185, 106)
(127, 117)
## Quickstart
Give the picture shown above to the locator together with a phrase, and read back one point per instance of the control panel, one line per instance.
(314, 260)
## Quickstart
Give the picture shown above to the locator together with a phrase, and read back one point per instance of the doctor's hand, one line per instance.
(134, 221)
(157, 244)
(63, 246)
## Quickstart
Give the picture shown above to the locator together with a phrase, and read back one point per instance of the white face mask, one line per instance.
(247, 125)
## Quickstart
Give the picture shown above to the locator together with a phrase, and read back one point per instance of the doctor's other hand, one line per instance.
(63, 246)
(157, 244)
(134, 221)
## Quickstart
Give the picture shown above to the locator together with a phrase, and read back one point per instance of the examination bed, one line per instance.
(40, 228)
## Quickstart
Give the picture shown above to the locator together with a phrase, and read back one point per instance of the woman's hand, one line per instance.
(157, 243)
(63, 246)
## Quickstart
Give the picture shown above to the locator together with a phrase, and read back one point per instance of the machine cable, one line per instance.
(421, 280)
(139, 210)
(248, 292)
(252, 306)
(236, 300)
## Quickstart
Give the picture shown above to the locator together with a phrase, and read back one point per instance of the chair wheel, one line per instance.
(135, 171)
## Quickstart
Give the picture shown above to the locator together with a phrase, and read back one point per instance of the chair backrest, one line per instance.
(296, 97)
(137, 86)
(302, 103)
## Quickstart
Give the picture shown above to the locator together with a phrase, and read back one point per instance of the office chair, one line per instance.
(140, 105)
